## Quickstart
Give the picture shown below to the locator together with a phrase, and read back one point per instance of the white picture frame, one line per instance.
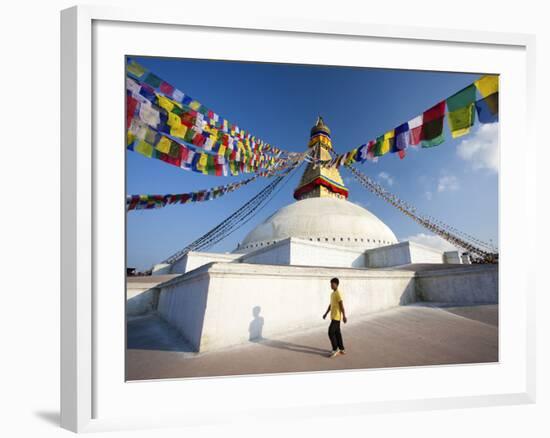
(92, 396)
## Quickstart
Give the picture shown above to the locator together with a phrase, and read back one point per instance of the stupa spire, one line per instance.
(319, 181)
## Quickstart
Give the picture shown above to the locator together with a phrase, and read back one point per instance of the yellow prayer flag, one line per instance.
(165, 103)
(173, 120)
(163, 145)
(386, 143)
(349, 158)
(487, 85)
(194, 105)
(221, 150)
(136, 69)
(144, 148)
(179, 131)
(203, 161)
(129, 138)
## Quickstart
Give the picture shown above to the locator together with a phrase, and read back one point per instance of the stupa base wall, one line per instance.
(226, 304)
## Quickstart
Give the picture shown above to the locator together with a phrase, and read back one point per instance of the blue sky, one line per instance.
(457, 182)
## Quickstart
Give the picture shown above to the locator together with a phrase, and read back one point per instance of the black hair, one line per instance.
(335, 280)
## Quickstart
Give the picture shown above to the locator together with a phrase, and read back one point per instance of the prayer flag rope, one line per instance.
(177, 103)
(426, 130)
(485, 252)
(148, 202)
(146, 121)
(145, 110)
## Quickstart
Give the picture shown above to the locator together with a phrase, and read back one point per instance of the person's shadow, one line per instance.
(255, 334)
(256, 326)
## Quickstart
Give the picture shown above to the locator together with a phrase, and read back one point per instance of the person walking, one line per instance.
(337, 314)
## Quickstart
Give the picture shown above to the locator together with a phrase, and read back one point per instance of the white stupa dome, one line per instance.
(325, 219)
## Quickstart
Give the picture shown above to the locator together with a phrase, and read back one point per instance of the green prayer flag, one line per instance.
(432, 133)
(461, 108)
(153, 80)
(378, 147)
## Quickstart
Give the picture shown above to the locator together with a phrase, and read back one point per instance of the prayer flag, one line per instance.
(166, 88)
(177, 95)
(132, 86)
(135, 69)
(165, 103)
(387, 143)
(402, 136)
(144, 148)
(149, 115)
(461, 111)
(131, 105)
(163, 145)
(153, 80)
(378, 147)
(203, 161)
(179, 131)
(487, 85)
(415, 130)
(487, 109)
(432, 126)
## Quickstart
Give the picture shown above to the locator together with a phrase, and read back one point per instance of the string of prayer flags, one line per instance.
(187, 125)
(146, 202)
(147, 116)
(174, 100)
(461, 108)
(426, 130)
(432, 125)
(151, 144)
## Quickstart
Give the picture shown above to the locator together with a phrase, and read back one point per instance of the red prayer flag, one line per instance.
(435, 112)
(166, 88)
(131, 105)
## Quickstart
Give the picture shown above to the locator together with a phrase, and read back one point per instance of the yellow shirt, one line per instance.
(335, 298)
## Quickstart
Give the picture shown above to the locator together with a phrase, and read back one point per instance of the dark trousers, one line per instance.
(335, 335)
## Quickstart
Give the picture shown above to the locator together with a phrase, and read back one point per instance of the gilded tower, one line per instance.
(319, 181)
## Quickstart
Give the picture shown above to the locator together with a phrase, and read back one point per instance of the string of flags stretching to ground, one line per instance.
(148, 202)
(426, 130)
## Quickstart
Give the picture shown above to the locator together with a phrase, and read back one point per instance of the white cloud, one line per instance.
(481, 148)
(432, 241)
(384, 176)
(447, 183)
(429, 195)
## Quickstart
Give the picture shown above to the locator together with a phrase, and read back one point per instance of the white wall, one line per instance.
(222, 297)
(304, 252)
(213, 306)
(195, 259)
(182, 303)
(467, 284)
(402, 253)
(275, 254)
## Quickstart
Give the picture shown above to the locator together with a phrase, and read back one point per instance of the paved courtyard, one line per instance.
(405, 336)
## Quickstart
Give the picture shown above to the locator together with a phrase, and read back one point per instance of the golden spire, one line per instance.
(319, 181)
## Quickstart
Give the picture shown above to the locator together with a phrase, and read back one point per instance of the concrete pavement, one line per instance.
(404, 336)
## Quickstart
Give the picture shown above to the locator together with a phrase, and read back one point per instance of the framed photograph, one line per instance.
(281, 207)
